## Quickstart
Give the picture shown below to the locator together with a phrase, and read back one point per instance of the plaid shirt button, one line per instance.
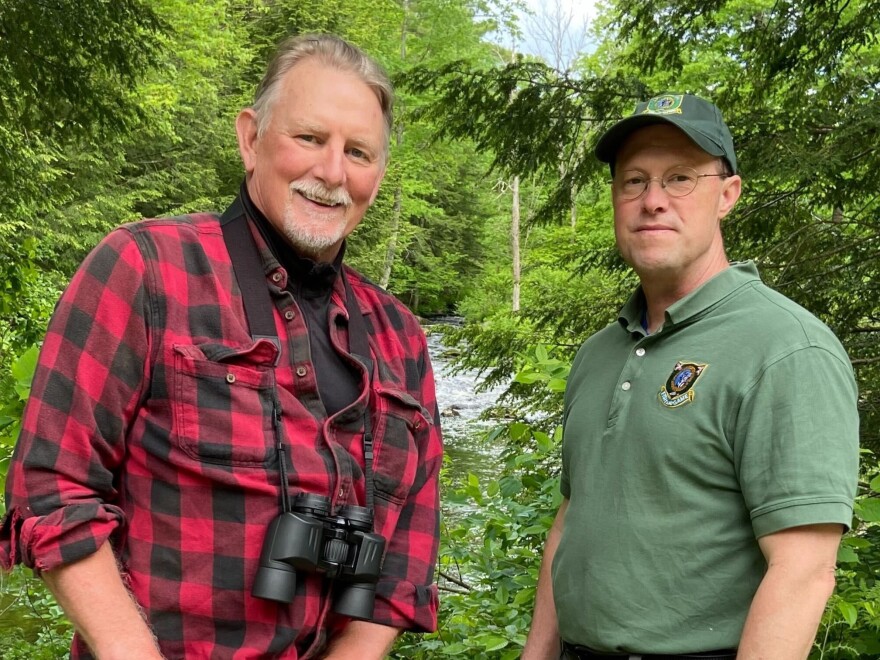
(289, 314)
(301, 371)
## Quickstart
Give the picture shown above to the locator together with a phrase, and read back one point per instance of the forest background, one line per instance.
(493, 208)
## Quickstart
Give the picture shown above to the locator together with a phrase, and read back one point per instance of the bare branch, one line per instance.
(455, 580)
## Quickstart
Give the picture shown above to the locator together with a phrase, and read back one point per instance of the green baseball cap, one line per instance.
(698, 118)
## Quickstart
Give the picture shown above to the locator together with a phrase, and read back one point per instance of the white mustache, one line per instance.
(321, 193)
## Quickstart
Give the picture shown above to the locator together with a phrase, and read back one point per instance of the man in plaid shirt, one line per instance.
(162, 438)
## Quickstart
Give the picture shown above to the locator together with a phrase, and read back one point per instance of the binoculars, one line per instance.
(311, 539)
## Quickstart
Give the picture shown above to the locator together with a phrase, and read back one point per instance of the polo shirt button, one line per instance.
(276, 277)
(640, 352)
(626, 385)
(301, 371)
(289, 314)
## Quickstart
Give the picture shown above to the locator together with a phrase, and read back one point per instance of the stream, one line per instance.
(460, 409)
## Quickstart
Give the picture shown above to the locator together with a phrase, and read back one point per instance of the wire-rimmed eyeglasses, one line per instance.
(677, 182)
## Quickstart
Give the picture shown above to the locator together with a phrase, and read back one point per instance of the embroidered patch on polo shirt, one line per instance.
(678, 389)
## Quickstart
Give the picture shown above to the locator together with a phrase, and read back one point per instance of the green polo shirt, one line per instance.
(736, 420)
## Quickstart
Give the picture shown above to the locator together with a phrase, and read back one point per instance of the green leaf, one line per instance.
(541, 438)
(848, 611)
(490, 642)
(856, 542)
(531, 482)
(510, 486)
(556, 385)
(846, 555)
(527, 458)
(454, 649)
(529, 377)
(534, 529)
(868, 509)
(518, 430)
(23, 368)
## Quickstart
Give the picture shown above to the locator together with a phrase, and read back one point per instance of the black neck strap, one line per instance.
(249, 272)
(258, 309)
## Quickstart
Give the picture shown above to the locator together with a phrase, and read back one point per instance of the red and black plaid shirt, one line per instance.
(150, 423)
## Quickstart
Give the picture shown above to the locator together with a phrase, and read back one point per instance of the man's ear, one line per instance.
(730, 193)
(246, 130)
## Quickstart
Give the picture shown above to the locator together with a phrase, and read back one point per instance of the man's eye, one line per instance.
(679, 177)
(634, 180)
(306, 138)
(357, 153)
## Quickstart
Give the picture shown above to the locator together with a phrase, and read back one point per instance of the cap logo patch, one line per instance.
(668, 104)
(678, 389)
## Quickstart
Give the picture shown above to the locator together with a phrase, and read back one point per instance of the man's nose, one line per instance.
(655, 198)
(330, 168)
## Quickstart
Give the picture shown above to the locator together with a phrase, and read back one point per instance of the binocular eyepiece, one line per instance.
(311, 539)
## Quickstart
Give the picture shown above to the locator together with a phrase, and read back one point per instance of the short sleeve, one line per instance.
(796, 441)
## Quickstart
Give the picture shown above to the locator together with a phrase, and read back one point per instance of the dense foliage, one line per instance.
(110, 111)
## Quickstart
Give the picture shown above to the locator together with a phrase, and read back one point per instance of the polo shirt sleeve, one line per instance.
(796, 441)
(61, 488)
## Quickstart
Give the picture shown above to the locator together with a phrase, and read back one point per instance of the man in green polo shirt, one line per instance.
(710, 448)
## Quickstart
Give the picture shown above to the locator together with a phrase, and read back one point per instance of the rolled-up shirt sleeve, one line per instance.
(63, 490)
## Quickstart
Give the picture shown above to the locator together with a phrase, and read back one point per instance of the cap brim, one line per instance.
(614, 137)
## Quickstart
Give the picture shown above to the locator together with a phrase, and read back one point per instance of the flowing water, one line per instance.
(461, 407)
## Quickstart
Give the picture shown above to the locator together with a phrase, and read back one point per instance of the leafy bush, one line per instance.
(850, 627)
(11, 408)
(491, 552)
(33, 626)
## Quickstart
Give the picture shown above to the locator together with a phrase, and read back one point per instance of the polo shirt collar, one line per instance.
(696, 303)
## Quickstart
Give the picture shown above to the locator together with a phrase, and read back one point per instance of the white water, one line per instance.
(460, 409)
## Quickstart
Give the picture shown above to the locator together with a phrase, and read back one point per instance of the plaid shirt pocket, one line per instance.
(402, 427)
(223, 401)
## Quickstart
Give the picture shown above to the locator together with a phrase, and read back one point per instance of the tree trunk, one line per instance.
(391, 248)
(514, 242)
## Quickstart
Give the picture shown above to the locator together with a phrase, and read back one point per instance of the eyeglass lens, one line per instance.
(677, 182)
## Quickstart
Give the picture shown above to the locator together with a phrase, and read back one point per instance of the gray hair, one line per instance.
(331, 51)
